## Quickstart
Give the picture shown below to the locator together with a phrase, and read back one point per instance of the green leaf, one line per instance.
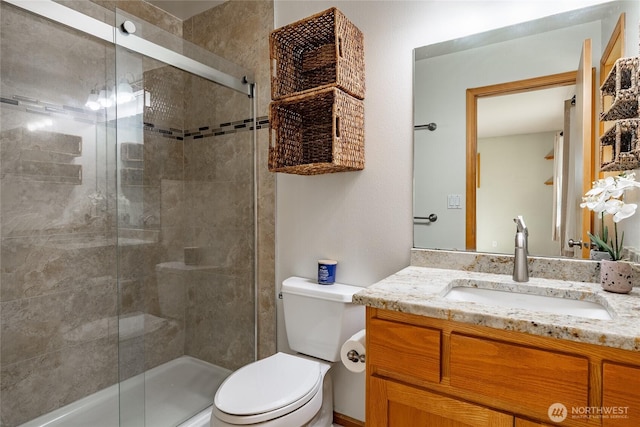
(602, 244)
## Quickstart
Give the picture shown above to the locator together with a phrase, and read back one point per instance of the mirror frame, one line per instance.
(536, 83)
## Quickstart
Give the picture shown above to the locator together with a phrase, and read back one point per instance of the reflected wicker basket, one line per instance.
(620, 146)
(323, 50)
(621, 85)
(315, 133)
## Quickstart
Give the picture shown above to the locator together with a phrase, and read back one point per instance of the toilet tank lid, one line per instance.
(307, 287)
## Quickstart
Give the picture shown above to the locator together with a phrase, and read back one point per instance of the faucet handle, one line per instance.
(519, 220)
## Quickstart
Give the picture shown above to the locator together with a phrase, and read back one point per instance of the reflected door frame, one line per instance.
(536, 83)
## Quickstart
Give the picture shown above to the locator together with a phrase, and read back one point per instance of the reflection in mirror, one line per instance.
(442, 75)
(516, 157)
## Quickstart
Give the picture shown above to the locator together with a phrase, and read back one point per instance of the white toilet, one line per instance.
(286, 390)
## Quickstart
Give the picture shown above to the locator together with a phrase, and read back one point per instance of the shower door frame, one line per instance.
(116, 35)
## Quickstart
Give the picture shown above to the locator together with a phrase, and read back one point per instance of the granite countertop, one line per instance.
(420, 290)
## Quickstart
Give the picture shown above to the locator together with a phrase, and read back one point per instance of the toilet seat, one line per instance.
(267, 389)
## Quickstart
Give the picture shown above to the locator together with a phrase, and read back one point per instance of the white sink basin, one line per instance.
(483, 293)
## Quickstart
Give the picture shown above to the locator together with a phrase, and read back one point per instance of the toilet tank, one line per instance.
(320, 318)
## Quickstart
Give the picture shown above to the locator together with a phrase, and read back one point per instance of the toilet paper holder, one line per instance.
(354, 356)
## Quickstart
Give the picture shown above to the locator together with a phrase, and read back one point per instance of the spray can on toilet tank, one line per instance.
(327, 271)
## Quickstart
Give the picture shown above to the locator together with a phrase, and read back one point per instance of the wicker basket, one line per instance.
(323, 50)
(622, 85)
(315, 133)
(620, 146)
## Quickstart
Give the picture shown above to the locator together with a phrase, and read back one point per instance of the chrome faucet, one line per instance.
(521, 262)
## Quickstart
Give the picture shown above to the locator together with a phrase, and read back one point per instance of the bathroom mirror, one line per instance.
(444, 72)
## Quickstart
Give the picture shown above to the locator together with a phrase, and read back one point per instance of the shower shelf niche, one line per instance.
(42, 156)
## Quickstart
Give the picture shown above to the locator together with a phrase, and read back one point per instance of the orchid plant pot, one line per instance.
(616, 276)
(599, 255)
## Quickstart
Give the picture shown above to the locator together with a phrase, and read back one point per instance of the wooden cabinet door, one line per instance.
(620, 395)
(392, 404)
(526, 423)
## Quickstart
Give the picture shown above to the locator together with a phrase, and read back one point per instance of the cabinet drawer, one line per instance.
(524, 379)
(620, 397)
(407, 350)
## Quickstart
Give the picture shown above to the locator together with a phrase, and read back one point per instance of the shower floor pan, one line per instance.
(166, 396)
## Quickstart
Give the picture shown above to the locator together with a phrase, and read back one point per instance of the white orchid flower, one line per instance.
(605, 197)
(625, 211)
(613, 206)
(596, 204)
(626, 182)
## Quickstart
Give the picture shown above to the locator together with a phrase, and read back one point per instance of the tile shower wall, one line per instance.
(240, 30)
(59, 296)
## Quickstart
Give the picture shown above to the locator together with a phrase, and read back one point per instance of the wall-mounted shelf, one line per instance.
(550, 155)
(317, 85)
(317, 133)
(620, 144)
(621, 85)
(323, 50)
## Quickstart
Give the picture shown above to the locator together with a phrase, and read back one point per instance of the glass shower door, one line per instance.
(185, 227)
(58, 280)
(127, 220)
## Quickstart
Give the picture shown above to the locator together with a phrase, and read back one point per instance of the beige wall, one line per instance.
(364, 219)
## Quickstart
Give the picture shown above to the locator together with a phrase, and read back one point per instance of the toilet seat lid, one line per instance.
(268, 384)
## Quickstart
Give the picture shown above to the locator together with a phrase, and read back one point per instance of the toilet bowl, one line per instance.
(281, 390)
(286, 390)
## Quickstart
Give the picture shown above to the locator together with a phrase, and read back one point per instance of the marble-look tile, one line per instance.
(40, 266)
(163, 159)
(164, 344)
(61, 82)
(230, 251)
(167, 299)
(172, 209)
(215, 302)
(131, 296)
(137, 261)
(220, 158)
(219, 204)
(34, 326)
(220, 308)
(266, 254)
(146, 11)
(250, 24)
(38, 385)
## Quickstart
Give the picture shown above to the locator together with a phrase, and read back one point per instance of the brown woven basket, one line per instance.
(315, 133)
(620, 146)
(323, 50)
(622, 85)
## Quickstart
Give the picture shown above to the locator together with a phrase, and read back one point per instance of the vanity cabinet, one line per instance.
(621, 390)
(397, 404)
(433, 372)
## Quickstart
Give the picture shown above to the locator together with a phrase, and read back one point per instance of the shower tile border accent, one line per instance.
(207, 131)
